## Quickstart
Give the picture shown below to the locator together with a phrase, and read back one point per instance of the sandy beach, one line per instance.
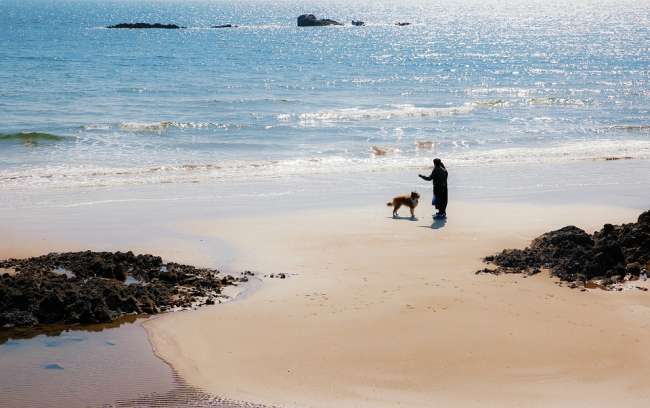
(373, 311)
(377, 312)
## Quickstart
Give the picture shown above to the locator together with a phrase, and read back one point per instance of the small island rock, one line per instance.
(310, 20)
(146, 25)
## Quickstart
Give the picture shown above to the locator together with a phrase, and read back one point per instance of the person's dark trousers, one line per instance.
(441, 199)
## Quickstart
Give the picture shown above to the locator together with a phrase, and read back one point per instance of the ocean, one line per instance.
(478, 83)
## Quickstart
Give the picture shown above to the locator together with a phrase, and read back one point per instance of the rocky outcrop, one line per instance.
(358, 23)
(225, 26)
(310, 20)
(402, 24)
(146, 25)
(96, 287)
(608, 256)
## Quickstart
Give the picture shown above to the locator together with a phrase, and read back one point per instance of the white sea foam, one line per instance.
(492, 103)
(145, 126)
(97, 126)
(502, 91)
(371, 114)
(159, 127)
(558, 101)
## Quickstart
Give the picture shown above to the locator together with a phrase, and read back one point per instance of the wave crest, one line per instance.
(159, 127)
(392, 112)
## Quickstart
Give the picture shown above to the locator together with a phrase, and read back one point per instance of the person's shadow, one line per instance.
(438, 223)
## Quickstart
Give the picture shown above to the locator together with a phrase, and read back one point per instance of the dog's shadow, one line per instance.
(404, 218)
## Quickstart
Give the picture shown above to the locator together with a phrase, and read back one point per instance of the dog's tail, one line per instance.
(390, 204)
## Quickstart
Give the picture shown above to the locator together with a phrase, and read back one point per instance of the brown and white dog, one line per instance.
(408, 201)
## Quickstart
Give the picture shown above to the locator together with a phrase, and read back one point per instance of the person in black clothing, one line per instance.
(439, 177)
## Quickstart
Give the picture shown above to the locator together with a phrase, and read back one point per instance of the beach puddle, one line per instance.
(130, 280)
(110, 365)
(80, 368)
(62, 271)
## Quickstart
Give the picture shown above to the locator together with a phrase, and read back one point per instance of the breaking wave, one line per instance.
(632, 128)
(164, 125)
(154, 127)
(555, 101)
(370, 114)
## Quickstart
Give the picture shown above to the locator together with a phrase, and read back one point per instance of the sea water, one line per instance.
(477, 83)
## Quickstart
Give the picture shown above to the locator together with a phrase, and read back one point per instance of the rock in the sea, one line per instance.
(146, 25)
(402, 24)
(310, 20)
(225, 26)
(358, 23)
(574, 255)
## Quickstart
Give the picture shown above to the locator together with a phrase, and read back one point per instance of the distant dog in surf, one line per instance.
(407, 201)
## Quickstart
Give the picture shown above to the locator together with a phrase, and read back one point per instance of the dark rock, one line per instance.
(19, 318)
(146, 25)
(225, 26)
(102, 313)
(97, 293)
(358, 23)
(402, 24)
(310, 20)
(573, 255)
(633, 268)
(51, 309)
(148, 306)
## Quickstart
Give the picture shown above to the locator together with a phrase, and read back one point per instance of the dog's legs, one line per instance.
(412, 213)
(395, 208)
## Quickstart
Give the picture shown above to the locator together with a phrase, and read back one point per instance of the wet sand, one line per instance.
(379, 312)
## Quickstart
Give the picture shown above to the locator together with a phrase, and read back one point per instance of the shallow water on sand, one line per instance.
(80, 368)
(105, 366)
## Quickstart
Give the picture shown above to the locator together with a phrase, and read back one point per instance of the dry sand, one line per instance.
(379, 312)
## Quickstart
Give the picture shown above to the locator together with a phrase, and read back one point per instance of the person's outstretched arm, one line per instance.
(429, 178)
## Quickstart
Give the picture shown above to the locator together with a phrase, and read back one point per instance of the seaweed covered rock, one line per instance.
(573, 255)
(98, 287)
